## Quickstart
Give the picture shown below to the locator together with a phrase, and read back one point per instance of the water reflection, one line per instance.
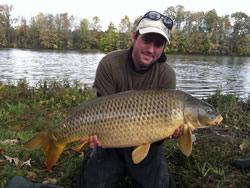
(198, 75)
(203, 75)
(35, 65)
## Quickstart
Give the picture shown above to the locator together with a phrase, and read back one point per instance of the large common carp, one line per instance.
(129, 119)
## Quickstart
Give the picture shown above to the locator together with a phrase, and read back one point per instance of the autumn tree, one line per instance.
(240, 35)
(95, 32)
(5, 24)
(109, 40)
(125, 33)
(63, 31)
(22, 34)
(48, 34)
(84, 34)
(193, 32)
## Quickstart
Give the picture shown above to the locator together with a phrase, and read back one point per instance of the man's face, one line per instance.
(147, 49)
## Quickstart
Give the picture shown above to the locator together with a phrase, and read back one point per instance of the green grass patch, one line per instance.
(25, 111)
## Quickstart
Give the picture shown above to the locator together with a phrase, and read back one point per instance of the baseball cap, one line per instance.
(161, 25)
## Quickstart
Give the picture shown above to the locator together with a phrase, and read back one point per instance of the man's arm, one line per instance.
(104, 80)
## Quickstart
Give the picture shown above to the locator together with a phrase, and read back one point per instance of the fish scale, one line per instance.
(127, 119)
(107, 115)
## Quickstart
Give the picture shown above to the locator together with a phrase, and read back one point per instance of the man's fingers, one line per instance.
(94, 142)
(97, 142)
(91, 144)
(82, 140)
(179, 131)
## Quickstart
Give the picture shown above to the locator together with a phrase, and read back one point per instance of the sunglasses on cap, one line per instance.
(153, 15)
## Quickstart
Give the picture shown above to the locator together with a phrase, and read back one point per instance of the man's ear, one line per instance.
(133, 37)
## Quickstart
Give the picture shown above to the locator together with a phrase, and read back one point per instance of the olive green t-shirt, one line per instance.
(116, 73)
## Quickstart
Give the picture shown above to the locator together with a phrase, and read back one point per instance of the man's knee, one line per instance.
(101, 168)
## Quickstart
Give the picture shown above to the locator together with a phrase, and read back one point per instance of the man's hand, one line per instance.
(178, 132)
(93, 142)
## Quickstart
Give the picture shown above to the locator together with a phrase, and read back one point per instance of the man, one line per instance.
(139, 68)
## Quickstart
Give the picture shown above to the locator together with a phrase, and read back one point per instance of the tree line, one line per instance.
(193, 33)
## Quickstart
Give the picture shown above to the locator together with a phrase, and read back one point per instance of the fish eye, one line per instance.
(208, 110)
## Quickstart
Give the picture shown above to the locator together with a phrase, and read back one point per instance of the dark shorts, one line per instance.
(104, 168)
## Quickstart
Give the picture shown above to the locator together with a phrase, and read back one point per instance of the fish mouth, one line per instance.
(218, 120)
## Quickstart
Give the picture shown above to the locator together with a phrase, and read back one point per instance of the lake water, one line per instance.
(200, 76)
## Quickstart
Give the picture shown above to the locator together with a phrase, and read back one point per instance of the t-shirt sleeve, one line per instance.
(168, 78)
(104, 81)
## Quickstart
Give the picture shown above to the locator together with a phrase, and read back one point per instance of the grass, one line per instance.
(25, 111)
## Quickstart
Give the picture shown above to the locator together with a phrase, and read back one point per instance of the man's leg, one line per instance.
(21, 182)
(101, 168)
(152, 171)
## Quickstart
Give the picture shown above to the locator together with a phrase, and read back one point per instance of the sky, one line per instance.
(114, 10)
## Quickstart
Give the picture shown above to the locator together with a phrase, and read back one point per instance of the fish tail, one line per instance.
(42, 141)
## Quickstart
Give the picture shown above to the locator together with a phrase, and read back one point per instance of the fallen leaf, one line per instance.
(41, 102)
(9, 141)
(55, 112)
(45, 182)
(19, 127)
(42, 170)
(218, 134)
(1, 151)
(16, 161)
(245, 144)
(242, 146)
(61, 168)
(50, 181)
(10, 159)
(245, 129)
(25, 163)
(32, 175)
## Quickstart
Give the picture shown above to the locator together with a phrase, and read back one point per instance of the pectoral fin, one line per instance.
(140, 153)
(186, 141)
